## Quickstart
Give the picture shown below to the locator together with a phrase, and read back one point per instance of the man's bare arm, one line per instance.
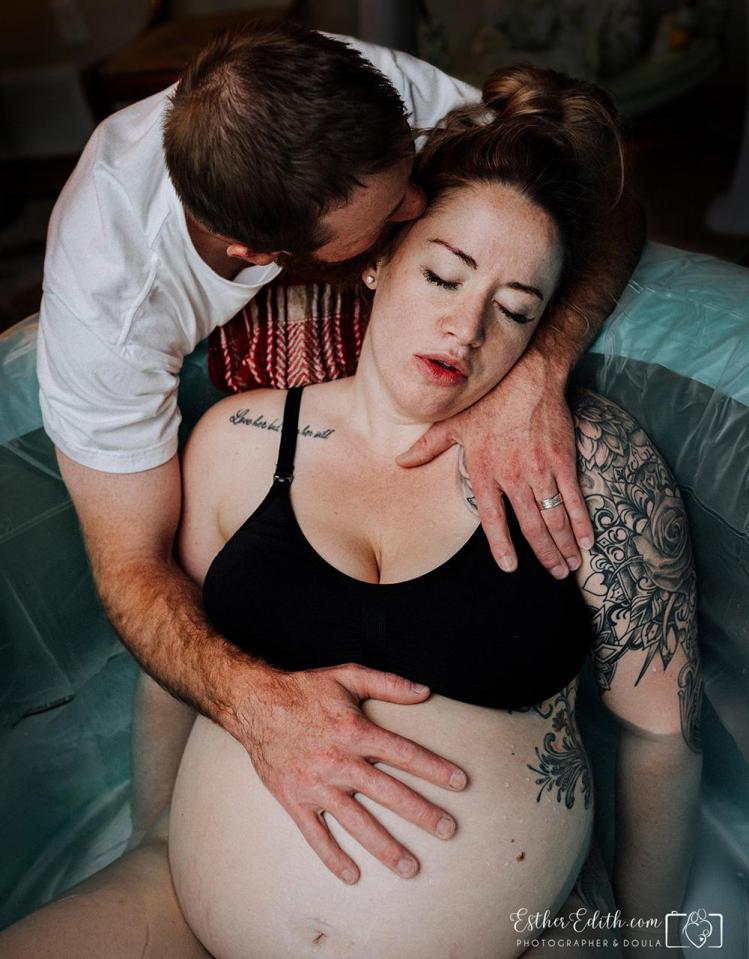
(519, 440)
(612, 253)
(304, 731)
(129, 522)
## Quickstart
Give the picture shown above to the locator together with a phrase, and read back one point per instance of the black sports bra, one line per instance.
(465, 629)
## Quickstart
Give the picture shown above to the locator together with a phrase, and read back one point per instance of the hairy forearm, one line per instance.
(611, 255)
(158, 612)
(658, 782)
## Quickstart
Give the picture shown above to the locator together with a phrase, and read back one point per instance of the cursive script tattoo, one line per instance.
(641, 591)
(245, 418)
(562, 763)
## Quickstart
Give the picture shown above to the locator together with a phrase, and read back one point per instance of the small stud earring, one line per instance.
(370, 278)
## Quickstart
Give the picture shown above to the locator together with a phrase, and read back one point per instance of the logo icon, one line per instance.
(697, 929)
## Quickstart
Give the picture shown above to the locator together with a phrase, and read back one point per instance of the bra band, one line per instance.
(285, 466)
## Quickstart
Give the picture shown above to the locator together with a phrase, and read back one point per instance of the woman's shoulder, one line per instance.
(232, 450)
(587, 403)
(242, 421)
(611, 444)
(629, 488)
(632, 496)
(600, 421)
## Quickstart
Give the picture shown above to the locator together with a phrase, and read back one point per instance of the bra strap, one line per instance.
(285, 466)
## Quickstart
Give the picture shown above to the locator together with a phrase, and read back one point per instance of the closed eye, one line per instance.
(516, 317)
(431, 277)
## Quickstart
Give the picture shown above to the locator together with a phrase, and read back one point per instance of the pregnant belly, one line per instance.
(251, 887)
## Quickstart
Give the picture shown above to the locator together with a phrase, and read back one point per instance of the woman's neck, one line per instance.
(372, 414)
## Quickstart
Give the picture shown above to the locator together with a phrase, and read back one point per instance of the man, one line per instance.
(281, 145)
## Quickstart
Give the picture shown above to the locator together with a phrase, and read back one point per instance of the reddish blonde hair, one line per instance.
(554, 139)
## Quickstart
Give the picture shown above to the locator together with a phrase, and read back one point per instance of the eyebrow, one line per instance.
(469, 260)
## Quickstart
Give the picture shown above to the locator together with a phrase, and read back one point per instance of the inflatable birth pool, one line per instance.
(675, 353)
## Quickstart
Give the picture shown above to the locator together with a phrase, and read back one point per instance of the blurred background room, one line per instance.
(677, 70)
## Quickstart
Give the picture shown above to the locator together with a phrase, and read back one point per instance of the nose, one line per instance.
(413, 205)
(466, 323)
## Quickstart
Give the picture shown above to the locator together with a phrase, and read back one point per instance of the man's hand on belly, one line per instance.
(309, 742)
(314, 749)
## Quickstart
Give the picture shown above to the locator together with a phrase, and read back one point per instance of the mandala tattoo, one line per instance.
(562, 764)
(641, 591)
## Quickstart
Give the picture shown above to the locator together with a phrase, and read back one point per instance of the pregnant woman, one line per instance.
(347, 559)
(348, 563)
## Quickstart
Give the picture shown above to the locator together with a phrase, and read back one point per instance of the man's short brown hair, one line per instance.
(271, 126)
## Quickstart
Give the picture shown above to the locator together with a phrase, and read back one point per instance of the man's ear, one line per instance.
(241, 252)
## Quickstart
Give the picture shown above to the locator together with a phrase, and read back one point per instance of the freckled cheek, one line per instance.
(394, 337)
(497, 357)
(405, 316)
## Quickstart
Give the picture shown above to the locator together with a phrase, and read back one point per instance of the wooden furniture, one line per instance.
(155, 58)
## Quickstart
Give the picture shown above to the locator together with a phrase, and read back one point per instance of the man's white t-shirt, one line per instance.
(126, 295)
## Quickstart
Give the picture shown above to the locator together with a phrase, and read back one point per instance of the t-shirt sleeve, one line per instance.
(101, 408)
(103, 405)
(427, 92)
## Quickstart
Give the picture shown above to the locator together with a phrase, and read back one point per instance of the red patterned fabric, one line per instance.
(289, 335)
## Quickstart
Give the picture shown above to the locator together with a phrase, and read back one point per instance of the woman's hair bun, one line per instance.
(524, 91)
(553, 138)
(578, 117)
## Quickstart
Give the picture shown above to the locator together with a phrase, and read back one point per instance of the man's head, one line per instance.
(279, 139)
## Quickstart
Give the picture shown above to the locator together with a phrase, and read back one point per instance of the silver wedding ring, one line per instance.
(551, 502)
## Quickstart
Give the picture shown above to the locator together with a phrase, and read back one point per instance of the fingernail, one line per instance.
(560, 572)
(458, 779)
(573, 563)
(507, 563)
(349, 876)
(586, 542)
(419, 687)
(407, 866)
(445, 827)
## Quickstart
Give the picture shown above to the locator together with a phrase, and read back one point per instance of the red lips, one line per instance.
(442, 368)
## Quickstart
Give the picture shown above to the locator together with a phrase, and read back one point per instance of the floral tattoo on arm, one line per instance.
(641, 592)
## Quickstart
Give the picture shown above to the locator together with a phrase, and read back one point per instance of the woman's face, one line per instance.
(457, 303)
